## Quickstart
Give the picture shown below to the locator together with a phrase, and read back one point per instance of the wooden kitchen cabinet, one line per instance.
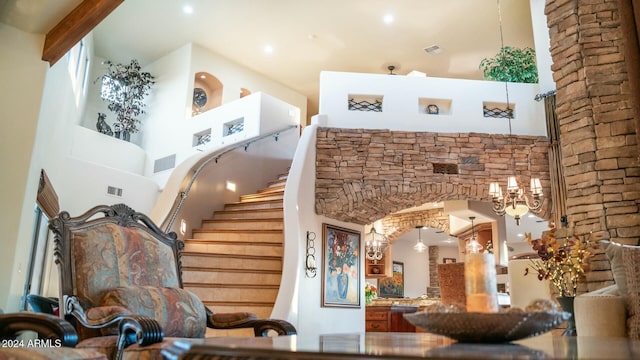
(379, 268)
(388, 318)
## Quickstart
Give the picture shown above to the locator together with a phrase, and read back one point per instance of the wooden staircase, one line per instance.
(234, 261)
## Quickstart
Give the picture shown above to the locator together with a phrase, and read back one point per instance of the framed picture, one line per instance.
(341, 267)
(393, 287)
(448, 260)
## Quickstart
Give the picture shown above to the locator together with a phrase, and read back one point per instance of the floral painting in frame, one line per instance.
(341, 267)
(393, 287)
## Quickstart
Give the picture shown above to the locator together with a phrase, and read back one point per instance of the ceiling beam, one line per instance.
(76, 25)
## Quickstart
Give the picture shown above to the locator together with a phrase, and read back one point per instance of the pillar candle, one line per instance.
(481, 282)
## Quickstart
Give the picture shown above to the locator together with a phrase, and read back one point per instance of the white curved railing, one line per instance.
(197, 168)
(302, 165)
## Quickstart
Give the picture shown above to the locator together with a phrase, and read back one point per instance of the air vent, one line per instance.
(445, 168)
(114, 191)
(165, 163)
(433, 49)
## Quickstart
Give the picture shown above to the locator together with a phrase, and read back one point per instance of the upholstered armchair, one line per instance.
(120, 284)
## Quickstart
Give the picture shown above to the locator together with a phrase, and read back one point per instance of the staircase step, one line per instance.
(262, 197)
(239, 235)
(226, 276)
(190, 259)
(279, 182)
(254, 205)
(224, 292)
(234, 247)
(272, 213)
(242, 224)
(272, 189)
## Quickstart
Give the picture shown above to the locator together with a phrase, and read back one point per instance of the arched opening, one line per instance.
(207, 93)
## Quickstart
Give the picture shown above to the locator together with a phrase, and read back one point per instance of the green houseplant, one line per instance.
(124, 87)
(511, 64)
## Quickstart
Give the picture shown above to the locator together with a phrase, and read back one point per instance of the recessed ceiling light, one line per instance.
(187, 9)
(520, 235)
(268, 49)
(203, 76)
(388, 19)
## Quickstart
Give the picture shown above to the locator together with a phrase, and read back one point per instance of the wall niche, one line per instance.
(207, 93)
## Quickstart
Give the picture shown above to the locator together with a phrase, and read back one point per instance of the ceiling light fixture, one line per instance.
(473, 246)
(388, 19)
(419, 246)
(516, 203)
(187, 9)
(375, 245)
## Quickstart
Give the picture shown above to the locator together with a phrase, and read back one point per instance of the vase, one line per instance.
(566, 302)
(343, 285)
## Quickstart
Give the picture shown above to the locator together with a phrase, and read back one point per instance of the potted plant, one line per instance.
(124, 87)
(511, 64)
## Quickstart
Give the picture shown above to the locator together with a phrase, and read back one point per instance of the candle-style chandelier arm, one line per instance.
(535, 203)
(499, 205)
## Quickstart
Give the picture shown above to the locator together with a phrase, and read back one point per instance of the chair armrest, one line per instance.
(261, 327)
(47, 326)
(43, 304)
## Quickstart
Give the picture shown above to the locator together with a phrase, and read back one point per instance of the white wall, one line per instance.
(299, 299)
(401, 108)
(23, 77)
(416, 265)
(543, 45)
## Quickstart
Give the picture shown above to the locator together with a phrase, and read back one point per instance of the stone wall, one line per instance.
(597, 128)
(363, 175)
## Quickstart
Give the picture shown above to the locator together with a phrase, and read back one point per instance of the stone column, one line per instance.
(433, 290)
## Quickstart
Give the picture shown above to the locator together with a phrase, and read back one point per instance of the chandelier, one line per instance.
(516, 203)
(419, 246)
(375, 245)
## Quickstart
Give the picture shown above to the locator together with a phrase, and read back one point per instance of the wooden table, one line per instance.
(400, 346)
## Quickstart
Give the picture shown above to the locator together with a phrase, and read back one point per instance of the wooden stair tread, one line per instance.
(234, 256)
(248, 211)
(222, 285)
(232, 242)
(246, 271)
(254, 203)
(248, 231)
(272, 189)
(240, 220)
(238, 303)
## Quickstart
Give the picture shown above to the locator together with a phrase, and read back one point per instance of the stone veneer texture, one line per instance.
(363, 175)
(597, 129)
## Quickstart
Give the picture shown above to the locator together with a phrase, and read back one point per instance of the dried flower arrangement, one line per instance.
(563, 260)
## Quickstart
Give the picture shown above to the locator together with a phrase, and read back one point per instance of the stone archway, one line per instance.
(364, 175)
(396, 225)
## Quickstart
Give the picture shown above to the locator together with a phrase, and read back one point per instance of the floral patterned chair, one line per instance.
(121, 285)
